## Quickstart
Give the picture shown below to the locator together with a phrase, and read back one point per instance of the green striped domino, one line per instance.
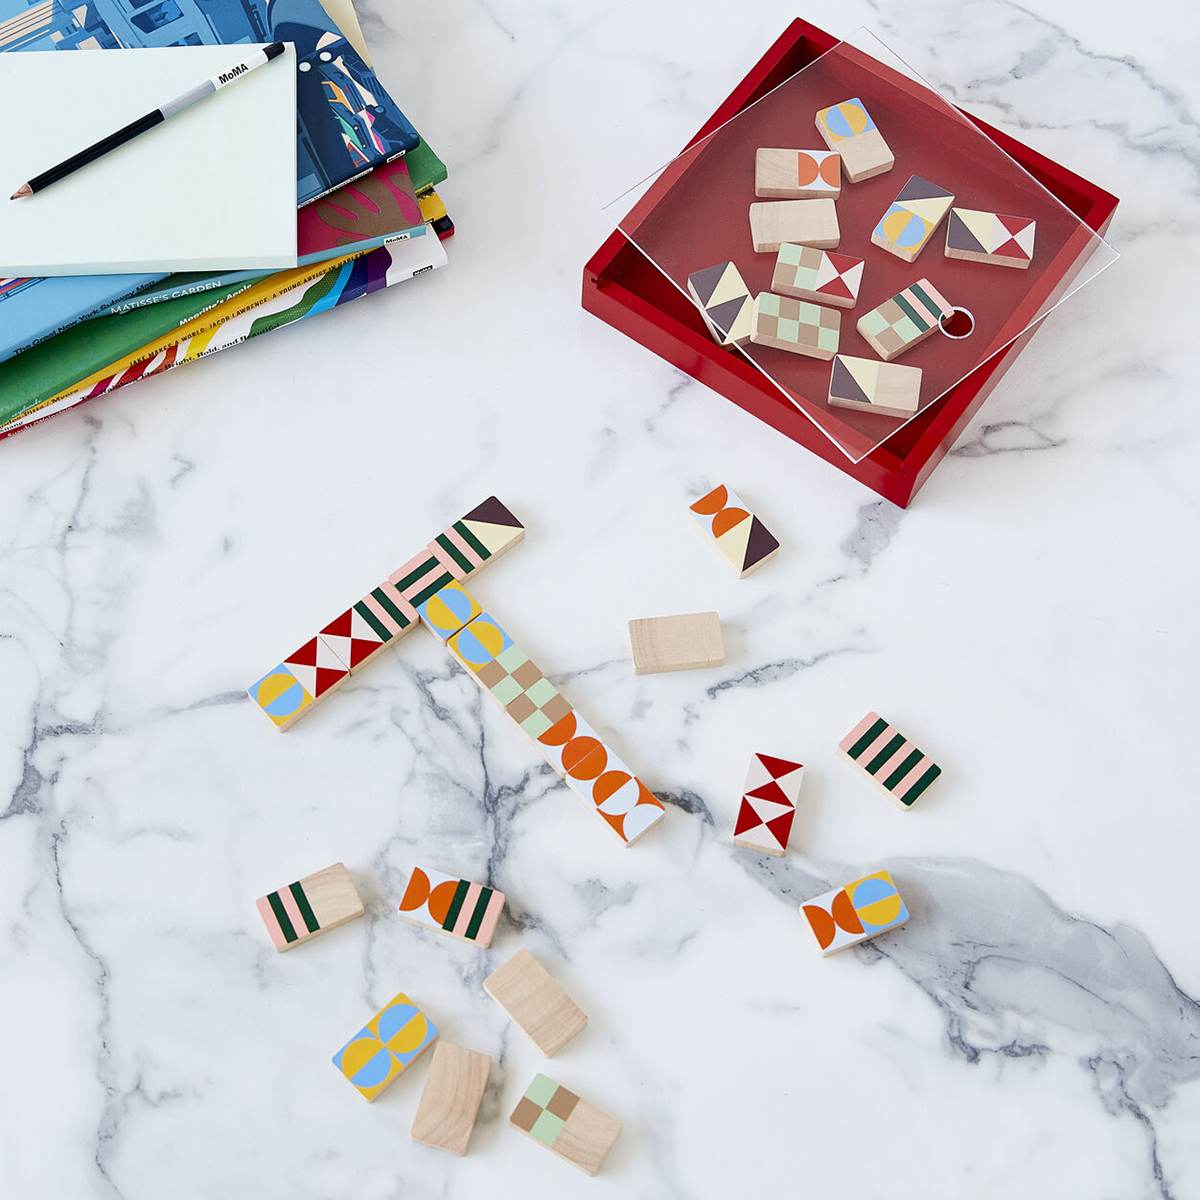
(315, 904)
(888, 758)
(456, 906)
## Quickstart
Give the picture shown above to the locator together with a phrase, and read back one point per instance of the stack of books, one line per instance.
(368, 213)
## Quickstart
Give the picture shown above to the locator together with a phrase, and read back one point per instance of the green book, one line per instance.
(51, 367)
(425, 169)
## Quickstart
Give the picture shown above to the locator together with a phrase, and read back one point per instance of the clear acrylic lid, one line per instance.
(693, 213)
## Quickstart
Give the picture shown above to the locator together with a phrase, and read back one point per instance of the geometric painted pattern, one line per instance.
(905, 319)
(561, 1121)
(315, 904)
(795, 325)
(989, 237)
(392, 1039)
(906, 227)
(868, 385)
(456, 906)
(848, 915)
(797, 174)
(724, 302)
(847, 128)
(812, 274)
(743, 540)
(768, 807)
(449, 609)
(889, 759)
(509, 675)
(597, 775)
(357, 635)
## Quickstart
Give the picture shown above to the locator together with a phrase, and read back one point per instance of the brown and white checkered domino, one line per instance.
(795, 326)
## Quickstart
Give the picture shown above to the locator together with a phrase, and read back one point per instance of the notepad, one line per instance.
(211, 189)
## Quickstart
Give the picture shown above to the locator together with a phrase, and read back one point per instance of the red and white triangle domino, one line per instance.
(768, 807)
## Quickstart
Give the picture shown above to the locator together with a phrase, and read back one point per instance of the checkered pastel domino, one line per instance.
(795, 326)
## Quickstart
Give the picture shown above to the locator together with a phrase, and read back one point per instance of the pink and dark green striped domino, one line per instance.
(890, 759)
(315, 904)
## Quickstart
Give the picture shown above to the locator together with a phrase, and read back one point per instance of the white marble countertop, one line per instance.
(1031, 618)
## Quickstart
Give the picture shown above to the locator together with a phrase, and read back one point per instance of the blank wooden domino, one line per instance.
(868, 385)
(847, 128)
(807, 273)
(562, 1122)
(889, 760)
(536, 1003)
(990, 237)
(797, 326)
(848, 915)
(911, 219)
(310, 906)
(905, 320)
(450, 1100)
(386, 1046)
(805, 222)
(464, 910)
(797, 174)
(686, 642)
(743, 540)
(768, 806)
(724, 302)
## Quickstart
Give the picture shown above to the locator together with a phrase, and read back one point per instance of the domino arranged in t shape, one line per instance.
(428, 590)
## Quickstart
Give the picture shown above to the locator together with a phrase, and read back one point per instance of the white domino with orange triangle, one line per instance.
(768, 807)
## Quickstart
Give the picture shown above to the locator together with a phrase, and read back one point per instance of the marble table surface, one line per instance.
(1031, 618)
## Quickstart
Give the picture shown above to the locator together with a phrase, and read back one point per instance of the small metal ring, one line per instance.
(956, 337)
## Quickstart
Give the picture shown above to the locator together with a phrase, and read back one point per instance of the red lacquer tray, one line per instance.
(624, 288)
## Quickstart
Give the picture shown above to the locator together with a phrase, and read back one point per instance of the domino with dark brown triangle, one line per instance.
(1000, 239)
(768, 805)
(867, 385)
(725, 302)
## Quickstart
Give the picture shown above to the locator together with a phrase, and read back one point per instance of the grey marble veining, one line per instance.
(1033, 1029)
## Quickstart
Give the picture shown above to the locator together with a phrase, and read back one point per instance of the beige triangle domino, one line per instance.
(864, 371)
(497, 538)
(729, 287)
(929, 210)
(733, 542)
(982, 226)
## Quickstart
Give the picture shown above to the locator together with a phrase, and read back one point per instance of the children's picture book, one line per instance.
(338, 285)
(346, 121)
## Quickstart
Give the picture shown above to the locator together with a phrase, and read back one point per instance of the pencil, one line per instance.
(156, 117)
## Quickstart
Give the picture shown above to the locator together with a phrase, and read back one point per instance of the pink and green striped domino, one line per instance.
(889, 759)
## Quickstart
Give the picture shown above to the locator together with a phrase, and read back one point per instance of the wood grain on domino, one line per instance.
(450, 1100)
(676, 643)
(536, 1002)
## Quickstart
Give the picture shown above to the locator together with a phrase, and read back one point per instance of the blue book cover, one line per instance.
(346, 123)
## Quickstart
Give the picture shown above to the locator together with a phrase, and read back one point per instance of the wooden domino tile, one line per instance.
(911, 219)
(796, 326)
(724, 302)
(536, 1003)
(455, 906)
(847, 128)
(578, 753)
(807, 273)
(562, 1122)
(768, 807)
(486, 532)
(743, 540)
(871, 386)
(686, 642)
(304, 677)
(797, 174)
(390, 1042)
(806, 222)
(449, 609)
(848, 915)
(990, 237)
(368, 627)
(508, 675)
(310, 906)
(450, 1100)
(905, 320)
(889, 759)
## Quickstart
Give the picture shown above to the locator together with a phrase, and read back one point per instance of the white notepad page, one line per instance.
(211, 189)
